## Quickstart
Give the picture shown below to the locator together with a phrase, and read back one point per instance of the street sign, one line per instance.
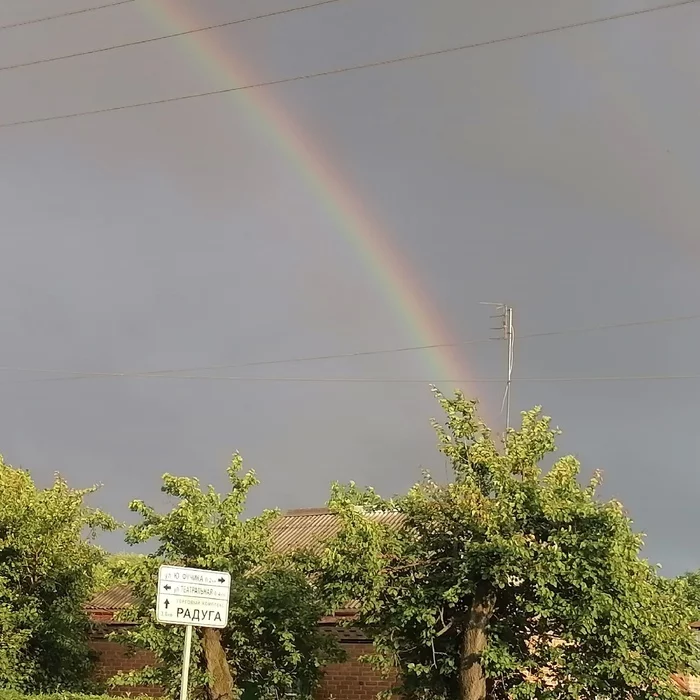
(192, 596)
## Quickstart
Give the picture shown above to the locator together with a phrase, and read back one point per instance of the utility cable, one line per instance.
(151, 40)
(362, 353)
(15, 25)
(392, 380)
(434, 346)
(348, 69)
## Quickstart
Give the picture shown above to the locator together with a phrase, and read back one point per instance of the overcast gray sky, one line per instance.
(558, 173)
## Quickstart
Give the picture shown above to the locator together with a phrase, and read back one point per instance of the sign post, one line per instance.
(192, 597)
(186, 663)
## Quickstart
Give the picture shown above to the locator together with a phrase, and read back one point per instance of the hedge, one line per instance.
(16, 695)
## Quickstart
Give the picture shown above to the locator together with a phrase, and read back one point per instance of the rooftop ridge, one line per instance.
(306, 511)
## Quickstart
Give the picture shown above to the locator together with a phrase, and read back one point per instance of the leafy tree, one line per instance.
(46, 570)
(272, 645)
(690, 585)
(113, 570)
(509, 582)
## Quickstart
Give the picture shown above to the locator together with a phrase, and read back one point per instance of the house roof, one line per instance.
(304, 528)
(311, 528)
(681, 683)
(115, 598)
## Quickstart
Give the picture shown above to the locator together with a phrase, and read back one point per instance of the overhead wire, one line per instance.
(609, 326)
(70, 13)
(162, 37)
(393, 380)
(178, 373)
(315, 358)
(348, 69)
(255, 363)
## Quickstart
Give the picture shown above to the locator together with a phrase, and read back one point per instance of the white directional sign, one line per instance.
(192, 596)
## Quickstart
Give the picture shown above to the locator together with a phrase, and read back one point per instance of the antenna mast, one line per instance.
(509, 335)
(507, 328)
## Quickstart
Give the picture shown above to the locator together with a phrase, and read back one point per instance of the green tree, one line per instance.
(47, 560)
(272, 645)
(113, 570)
(509, 582)
(690, 585)
(691, 580)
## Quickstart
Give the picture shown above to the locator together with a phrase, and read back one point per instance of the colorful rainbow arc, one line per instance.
(398, 283)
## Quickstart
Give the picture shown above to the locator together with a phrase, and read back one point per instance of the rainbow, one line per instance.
(395, 279)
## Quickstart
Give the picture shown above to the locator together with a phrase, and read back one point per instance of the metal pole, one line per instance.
(510, 339)
(508, 331)
(186, 662)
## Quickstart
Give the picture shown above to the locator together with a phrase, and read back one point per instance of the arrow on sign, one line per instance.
(167, 587)
(222, 580)
(166, 603)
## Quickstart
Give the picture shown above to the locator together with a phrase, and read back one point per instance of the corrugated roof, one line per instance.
(311, 528)
(305, 528)
(681, 683)
(116, 598)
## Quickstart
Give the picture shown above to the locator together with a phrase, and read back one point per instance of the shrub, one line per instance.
(46, 576)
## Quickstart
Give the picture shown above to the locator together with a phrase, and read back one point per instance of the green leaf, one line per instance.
(573, 610)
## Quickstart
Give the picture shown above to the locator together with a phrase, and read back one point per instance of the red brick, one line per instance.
(350, 680)
(113, 657)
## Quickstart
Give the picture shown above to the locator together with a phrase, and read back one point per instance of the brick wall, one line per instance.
(693, 685)
(352, 679)
(113, 657)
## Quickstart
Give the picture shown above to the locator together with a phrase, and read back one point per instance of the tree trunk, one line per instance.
(472, 681)
(220, 679)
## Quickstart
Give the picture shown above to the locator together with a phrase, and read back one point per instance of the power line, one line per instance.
(319, 358)
(162, 37)
(435, 346)
(608, 326)
(256, 363)
(348, 69)
(394, 380)
(15, 25)
(608, 378)
(362, 353)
